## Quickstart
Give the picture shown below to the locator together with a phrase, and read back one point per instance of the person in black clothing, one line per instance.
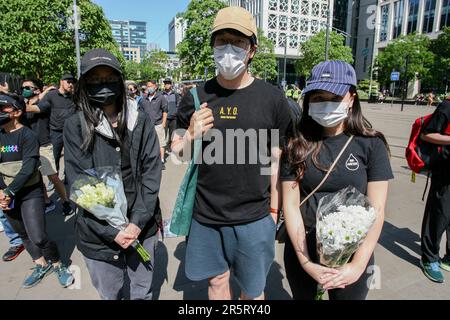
(21, 195)
(61, 107)
(237, 200)
(436, 218)
(331, 115)
(37, 117)
(100, 135)
(173, 101)
(155, 105)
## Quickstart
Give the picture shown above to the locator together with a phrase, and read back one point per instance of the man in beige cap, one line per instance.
(232, 226)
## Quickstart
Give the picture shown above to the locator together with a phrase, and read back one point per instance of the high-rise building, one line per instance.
(177, 31)
(130, 35)
(403, 17)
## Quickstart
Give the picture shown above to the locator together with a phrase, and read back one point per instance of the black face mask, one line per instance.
(4, 118)
(103, 94)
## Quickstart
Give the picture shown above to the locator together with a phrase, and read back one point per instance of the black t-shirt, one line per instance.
(365, 160)
(40, 122)
(439, 123)
(62, 107)
(232, 190)
(21, 145)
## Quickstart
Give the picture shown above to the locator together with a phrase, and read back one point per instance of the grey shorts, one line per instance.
(247, 249)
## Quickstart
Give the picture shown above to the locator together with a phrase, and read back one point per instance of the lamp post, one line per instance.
(76, 23)
(405, 81)
(327, 37)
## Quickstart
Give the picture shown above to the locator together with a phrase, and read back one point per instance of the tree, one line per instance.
(37, 41)
(441, 68)
(195, 51)
(132, 70)
(154, 65)
(264, 63)
(312, 52)
(413, 49)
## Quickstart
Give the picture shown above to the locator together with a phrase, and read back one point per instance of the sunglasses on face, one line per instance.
(28, 88)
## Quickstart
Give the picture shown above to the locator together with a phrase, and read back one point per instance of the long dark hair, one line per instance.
(93, 114)
(308, 138)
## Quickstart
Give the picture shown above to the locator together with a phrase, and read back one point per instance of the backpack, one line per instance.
(422, 155)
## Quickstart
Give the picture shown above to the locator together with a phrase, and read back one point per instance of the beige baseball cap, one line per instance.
(236, 18)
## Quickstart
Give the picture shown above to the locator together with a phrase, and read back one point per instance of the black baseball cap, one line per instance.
(6, 100)
(167, 80)
(67, 76)
(99, 57)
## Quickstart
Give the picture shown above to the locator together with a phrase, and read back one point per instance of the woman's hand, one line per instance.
(133, 229)
(319, 273)
(348, 274)
(125, 239)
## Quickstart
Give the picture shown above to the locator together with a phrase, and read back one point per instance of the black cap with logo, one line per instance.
(99, 57)
(12, 101)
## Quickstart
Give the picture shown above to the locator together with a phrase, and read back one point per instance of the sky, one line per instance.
(157, 14)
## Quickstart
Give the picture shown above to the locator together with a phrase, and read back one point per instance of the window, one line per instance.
(398, 18)
(324, 10)
(295, 6)
(294, 24)
(282, 40)
(384, 22)
(284, 6)
(272, 37)
(413, 16)
(304, 25)
(273, 21)
(273, 5)
(293, 41)
(428, 16)
(305, 7)
(283, 23)
(315, 10)
(314, 26)
(445, 15)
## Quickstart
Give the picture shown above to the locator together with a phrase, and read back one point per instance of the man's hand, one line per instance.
(124, 239)
(133, 229)
(201, 122)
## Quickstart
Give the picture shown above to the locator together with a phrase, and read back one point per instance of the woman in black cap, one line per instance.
(101, 134)
(332, 122)
(21, 192)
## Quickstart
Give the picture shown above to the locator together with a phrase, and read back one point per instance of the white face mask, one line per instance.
(230, 60)
(328, 113)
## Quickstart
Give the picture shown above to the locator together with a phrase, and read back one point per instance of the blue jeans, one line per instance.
(14, 239)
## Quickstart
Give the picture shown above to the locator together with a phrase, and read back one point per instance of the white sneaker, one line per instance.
(1, 227)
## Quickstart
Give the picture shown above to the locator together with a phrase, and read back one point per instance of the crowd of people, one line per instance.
(102, 120)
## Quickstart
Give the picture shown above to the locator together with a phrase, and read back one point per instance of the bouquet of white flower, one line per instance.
(100, 191)
(343, 221)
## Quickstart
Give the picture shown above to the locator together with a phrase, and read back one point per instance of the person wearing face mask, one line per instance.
(332, 117)
(156, 106)
(105, 134)
(37, 118)
(21, 192)
(236, 205)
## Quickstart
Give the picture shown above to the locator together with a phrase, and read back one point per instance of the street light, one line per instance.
(405, 81)
(327, 37)
(76, 23)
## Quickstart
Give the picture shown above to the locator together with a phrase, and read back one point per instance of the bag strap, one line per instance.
(329, 170)
(196, 98)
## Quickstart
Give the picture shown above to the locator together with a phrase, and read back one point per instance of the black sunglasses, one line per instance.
(28, 88)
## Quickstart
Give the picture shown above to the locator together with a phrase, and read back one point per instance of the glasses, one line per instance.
(28, 88)
(102, 80)
(241, 43)
(71, 81)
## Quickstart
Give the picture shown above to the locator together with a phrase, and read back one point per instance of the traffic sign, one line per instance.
(395, 76)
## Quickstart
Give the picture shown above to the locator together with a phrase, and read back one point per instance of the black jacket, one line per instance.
(95, 238)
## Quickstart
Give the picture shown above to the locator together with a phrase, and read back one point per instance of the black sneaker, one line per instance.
(13, 253)
(49, 207)
(163, 166)
(67, 208)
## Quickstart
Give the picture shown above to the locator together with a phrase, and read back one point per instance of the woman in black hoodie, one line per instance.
(106, 133)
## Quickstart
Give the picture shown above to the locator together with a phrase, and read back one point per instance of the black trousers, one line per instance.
(57, 140)
(304, 287)
(436, 219)
(170, 129)
(27, 219)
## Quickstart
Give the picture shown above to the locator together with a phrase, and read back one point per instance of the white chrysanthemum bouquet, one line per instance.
(343, 221)
(100, 192)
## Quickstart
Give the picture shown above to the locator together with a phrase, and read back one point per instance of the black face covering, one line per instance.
(4, 118)
(103, 94)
